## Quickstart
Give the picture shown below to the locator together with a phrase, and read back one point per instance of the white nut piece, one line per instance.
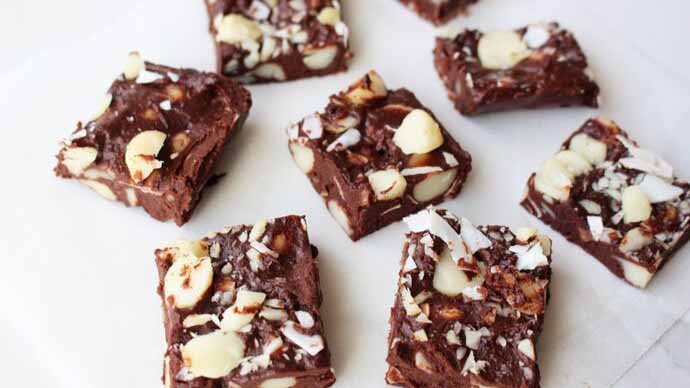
(537, 35)
(368, 88)
(141, 152)
(634, 240)
(589, 148)
(103, 106)
(418, 133)
(554, 180)
(312, 344)
(132, 199)
(343, 124)
(187, 281)
(78, 159)
(450, 280)
(574, 162)
(258, 230)
(329, 16)
(234, 29)
(270, 71)
(524, 234)
(268, 48)
(500, 50)
(281, 382)
(434, 185)
(303, 156)
(636, 205)
(180, 142)
(247, 304)
(387, 184)
(135, 64)
(421, 362)
(213, 355)
(340, 215)
(194, 320)
(320, 58)
(102, 189)
(167, 378)
(526, 347)
(185, 248)
(545, 244)
(637, 275)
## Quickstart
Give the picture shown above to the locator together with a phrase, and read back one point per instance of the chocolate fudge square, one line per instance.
(241, 309)
(156, 138)
(470, 305)
(535, 66)
(438, 11)
(376, 155)
(621, 203)
(278, 40)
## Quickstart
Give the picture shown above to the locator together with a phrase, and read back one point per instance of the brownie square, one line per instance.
(376, 155)
(241, 309)
(535, 66)
(278, 40)
(438, 12)
(470, 305)
(619, 202)
(156, 138)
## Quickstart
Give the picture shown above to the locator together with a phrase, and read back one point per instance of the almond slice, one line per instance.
(187, 281)
(213, 355)
(141, 152)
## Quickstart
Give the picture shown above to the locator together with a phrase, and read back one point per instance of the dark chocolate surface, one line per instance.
(297, 39)
(486, 334)
(197, 112)
(340, 172)
(554, 72)
(438, 12)
(286, 274)
(596, 198)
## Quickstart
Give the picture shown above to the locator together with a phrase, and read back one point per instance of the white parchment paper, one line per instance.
(77, 278)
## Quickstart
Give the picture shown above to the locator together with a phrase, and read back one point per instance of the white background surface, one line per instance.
(77, 283)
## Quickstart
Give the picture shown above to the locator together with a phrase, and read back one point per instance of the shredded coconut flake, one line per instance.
(644, 160)
(346, 140)
(312, 126)
(474, 238)
(429, 220)
(529, 256)
(596, 226)
(312, 344)
(659, 190)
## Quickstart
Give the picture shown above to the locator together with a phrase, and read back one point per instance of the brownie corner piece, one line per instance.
(376, 155)
(619, 202)
(438, 12)
(538, 65)
(156, 138)
(470, 304)
(264, 41)
(242, 309)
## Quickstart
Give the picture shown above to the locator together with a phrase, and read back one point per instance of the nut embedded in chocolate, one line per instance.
(156, 138)
(468, 309)
(376, 155)
(263, 41)
(241, 309)
(619, 202)
(534, 66)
